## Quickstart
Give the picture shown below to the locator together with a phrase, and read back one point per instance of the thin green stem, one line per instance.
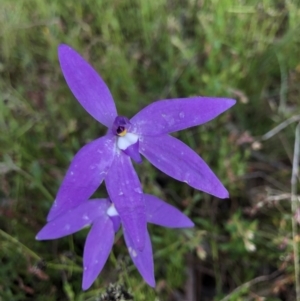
(250, 283)
(215, 255)
(20, 245)
(28, 176)
(25, 249)
(294, 206)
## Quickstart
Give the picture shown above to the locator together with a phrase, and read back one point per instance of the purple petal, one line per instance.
(143, 260)
(133, 152)
(85, 174)
(162, 214)
(124, 190)
(87, 86)
(74, 220)
(177, 160)
(116, 222)
(97, 247)
(171, 115)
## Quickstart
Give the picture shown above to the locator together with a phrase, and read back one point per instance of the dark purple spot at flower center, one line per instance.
(121, 131)
(120, 126)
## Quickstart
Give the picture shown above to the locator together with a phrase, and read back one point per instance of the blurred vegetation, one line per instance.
(240, 249)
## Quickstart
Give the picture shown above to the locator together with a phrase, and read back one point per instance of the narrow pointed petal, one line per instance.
(133, 152)
(171, 115)
(116, 222)
(97, 247)
(87, 86)
(85, 174)
(143, 260)
(125, 191)
(162, 214)
(74, 220)
(114, 216)
(177, 160)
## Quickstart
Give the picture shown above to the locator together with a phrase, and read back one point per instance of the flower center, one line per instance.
(114, 216)
(120, 126)
(121, 131)
(112, 211)
(126, 141)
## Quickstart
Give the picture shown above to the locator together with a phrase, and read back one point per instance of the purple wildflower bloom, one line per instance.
(109, 158)
(104, 218)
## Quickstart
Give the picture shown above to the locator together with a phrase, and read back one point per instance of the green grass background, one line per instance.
(145, 50)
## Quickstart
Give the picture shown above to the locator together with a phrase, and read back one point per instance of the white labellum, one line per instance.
(127, 140)
(112, 211)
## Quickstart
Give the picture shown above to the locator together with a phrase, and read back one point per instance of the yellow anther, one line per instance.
(122, 134)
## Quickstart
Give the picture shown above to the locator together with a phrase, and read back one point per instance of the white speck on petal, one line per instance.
(181, 115)
(187, 178)
(67, 226)
(138, 190)
(107, 144)
(71, 173)
(85, 268)
(85, 217)
(168, 119)
(127, 140)
(112, 211)
(132, 252)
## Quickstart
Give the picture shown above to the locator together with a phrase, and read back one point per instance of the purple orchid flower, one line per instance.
(109, 158)
(105, 220)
